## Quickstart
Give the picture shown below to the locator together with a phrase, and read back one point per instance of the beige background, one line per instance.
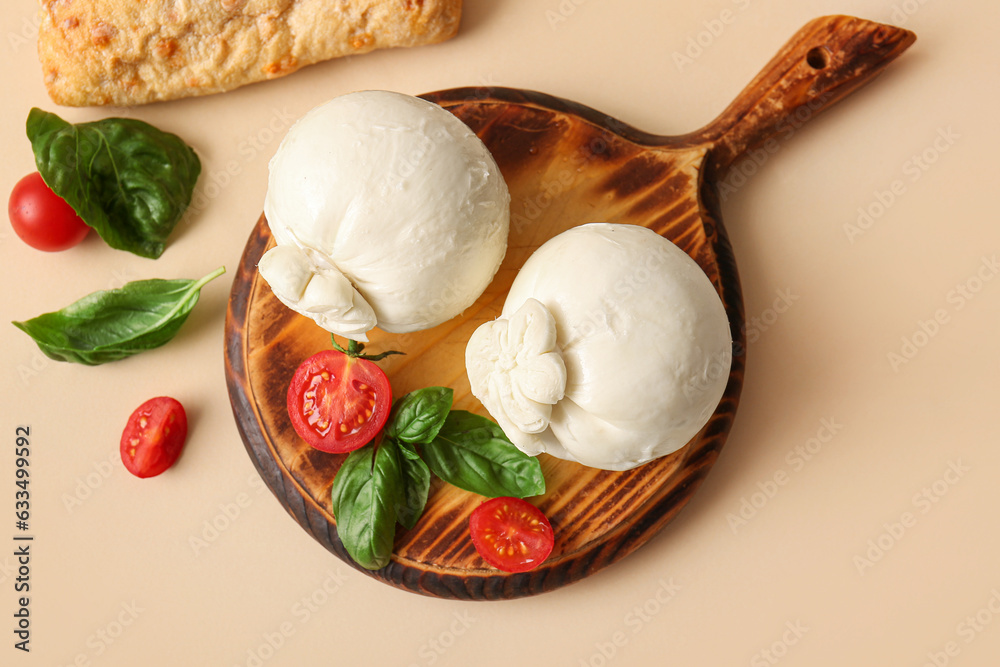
(117, 580)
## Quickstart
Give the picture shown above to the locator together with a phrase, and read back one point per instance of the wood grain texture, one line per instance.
(565, 165)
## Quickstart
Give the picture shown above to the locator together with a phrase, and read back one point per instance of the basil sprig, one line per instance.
(387, 483)
(125, 178)
(113, 324)
(367, 494)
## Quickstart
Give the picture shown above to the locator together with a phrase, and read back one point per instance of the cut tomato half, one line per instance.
(338, 403)
(511, 534)
(154, 436)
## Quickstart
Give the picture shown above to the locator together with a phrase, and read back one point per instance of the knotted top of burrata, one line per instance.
(387, 211)
(613, 349)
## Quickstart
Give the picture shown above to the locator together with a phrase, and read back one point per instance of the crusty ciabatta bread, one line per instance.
(124, 52)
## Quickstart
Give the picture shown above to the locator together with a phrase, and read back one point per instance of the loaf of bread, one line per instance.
(124, 52)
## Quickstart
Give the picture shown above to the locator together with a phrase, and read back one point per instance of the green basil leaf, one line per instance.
(125, 178)
(418, 416)
(114, 324)
(406, 450)
(472, 453)
(417, 484)
(366, 494)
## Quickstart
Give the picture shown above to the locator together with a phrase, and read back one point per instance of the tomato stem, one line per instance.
(355, 350)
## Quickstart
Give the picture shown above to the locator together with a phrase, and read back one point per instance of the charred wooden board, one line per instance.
(565, 164)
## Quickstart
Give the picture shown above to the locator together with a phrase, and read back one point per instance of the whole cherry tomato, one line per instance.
(42, 218)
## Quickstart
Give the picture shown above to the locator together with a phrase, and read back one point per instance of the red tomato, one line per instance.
(42, 218)
(511, 534)
(154, 436)
(338, 403)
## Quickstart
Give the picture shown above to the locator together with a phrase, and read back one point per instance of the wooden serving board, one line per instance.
(565, 164)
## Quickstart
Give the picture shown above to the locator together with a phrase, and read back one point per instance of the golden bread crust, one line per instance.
(124, 52)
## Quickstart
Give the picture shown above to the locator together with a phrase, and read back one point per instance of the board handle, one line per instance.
(829, 58)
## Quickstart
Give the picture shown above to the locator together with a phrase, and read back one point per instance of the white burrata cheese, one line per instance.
(613, 349)
(387, 211)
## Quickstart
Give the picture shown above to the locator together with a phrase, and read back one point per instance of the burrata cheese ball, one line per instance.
(613, 349)
(387, 211)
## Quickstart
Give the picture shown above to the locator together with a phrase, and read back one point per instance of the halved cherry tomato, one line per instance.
(154, 436)
(42, 218)
(338, 403)
(511, 534)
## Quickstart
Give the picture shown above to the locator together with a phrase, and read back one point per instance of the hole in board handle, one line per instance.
(818, 57)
